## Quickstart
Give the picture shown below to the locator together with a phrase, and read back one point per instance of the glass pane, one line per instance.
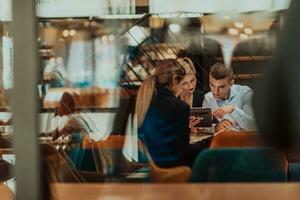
(165, 97)
(7, 158)
(91, 70)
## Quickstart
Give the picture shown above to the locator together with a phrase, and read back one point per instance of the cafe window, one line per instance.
(97, 120)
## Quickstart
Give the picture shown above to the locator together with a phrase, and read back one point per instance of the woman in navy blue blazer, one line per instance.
(163, 118)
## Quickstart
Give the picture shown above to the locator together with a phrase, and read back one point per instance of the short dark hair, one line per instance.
(219, 71)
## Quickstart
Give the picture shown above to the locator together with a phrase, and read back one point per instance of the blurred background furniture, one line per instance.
(240, 165)
(109, 158)
(236, 139)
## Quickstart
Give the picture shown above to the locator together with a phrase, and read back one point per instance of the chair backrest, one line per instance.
(108, 155)
(240, 165)
(236, 139)
(109, 158)
(179, 174)
(81, 157)
(58, 168)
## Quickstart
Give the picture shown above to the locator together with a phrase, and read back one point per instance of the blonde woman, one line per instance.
(163, 118)
(189, 93)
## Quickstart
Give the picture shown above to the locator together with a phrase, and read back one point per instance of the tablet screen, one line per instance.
(204, 114)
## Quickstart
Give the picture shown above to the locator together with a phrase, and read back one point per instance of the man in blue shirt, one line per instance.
(231, 104)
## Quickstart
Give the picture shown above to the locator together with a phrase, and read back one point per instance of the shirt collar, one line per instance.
(233, 92)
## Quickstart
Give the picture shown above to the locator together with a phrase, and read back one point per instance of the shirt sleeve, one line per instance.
(205, 102)
(245, 116)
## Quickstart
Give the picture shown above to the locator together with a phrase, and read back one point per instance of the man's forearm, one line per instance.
(244, 120)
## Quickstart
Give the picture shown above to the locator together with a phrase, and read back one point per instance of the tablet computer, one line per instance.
(204, 114)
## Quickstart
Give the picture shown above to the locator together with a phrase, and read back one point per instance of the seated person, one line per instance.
(68, 122)
(194, 98)
(189, 93)
(163, 119)
(231, 104)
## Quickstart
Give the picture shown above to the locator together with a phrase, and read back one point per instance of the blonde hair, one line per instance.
(187, 64)
(163, 76)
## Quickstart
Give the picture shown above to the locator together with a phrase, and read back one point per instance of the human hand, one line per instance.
(224, 125)
(196, 130)
(220, 112)
(193, 121)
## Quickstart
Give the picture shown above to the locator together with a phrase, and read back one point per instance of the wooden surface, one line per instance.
(5, 193)
(177, 191)
(198, 138)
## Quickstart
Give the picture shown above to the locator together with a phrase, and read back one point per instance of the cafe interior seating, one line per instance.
(59, 168)
(108, 156)
(254, 164)
(236, 139)
(252, 139)
(179, 174)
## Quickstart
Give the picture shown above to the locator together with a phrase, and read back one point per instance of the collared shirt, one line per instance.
(241, 98)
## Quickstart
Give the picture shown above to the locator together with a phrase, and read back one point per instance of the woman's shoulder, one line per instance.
(180, 105)
(171, 104)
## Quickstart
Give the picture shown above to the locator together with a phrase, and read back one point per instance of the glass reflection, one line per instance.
(7, 158)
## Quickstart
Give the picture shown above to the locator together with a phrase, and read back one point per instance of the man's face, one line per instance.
(220, 88)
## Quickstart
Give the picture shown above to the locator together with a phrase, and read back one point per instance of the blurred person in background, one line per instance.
(276, 102)
(69, 123)
(67, 120)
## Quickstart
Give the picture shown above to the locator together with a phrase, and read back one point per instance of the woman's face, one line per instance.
(189, 84)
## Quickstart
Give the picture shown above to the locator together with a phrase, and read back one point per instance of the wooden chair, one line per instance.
(236, 139)
(109, 158)
(58, 168)
(6, 193)
(180, 174)
(157, 174)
